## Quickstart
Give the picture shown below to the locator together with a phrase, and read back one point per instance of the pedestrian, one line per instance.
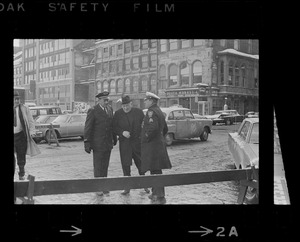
(154, 153)
(127, 123)
(23, 132)
(98, 135)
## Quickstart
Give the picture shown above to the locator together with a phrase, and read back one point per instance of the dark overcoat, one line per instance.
(132, 122)
(154, 151)
(98, 128)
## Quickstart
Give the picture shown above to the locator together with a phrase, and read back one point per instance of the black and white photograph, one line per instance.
(138, 119)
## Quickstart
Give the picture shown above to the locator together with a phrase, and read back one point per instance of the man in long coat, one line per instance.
(127, 123)
(23, 130)
(154, 152)
(98, 135)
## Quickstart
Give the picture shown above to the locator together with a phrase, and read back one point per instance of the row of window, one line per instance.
(55, 91)
(129, 85)
(17, 81)
(18, 70)
(57, 59)
(244, 45)
(54, 45)
(56, 74)
(28, 78)
(135, 45)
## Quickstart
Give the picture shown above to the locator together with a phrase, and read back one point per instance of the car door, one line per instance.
(75, 126)
(242, 137)
(182, 129)
(193, 125)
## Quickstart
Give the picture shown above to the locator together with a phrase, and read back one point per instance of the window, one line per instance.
(144, 84)
(120, 65)
(198, 42)
(162, 77)
(236, 44)
(185, 43)
(188, 114)
(135, 85)
(120, 50)
(237, 75)
(127, 86)
(112, 86)
(243, 71)
(145, 61)
(173, 44)
(184, 74)
(255, 78)
(230, 74)
(135, 45)
(153, 43)
(145, 44)
(105, 67)
(153, 83)
(230, 43)
(197, 72)
(127, 64)
(153, 62)
(120, 86)
(244, 130)
(135, 63)
(105, 52)
(178, 115)
(112, 66)
(76, 119)
(163, 45)
(112, 50)
(127, 47)
(105, 85)
(250, 46)
(222, 73)
(173, 75)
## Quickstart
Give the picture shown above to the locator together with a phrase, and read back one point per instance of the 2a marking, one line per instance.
(221, 233)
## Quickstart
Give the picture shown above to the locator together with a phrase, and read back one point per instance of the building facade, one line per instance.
(200, 74)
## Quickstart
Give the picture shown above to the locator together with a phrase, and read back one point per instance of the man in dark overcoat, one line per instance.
(155, 157)
(98, 135)
(127, 124)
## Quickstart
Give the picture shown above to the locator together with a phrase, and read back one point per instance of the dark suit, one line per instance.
(154, 152)
(129, 148)
(99, 134)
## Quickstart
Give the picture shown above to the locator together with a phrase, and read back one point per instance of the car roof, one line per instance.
(170, 109)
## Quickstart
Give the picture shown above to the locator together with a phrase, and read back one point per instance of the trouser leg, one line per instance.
(126, 170)
(137, 161)
(157, 191)
(20, 147)
(101, 162)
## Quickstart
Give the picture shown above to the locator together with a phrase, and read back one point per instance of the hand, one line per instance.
(126, 134)
(87, 147)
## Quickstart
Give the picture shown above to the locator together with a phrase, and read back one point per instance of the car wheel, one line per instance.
(169, 139)
(204, 135)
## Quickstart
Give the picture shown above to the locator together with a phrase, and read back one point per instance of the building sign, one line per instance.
(182, 93)
(200, 91)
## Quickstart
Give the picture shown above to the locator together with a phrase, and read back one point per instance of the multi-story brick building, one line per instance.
(200, 74)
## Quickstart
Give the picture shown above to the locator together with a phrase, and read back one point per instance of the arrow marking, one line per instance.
(76, 231)
(206, 231)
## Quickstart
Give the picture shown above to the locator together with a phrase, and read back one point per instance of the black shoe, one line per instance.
(125, 192)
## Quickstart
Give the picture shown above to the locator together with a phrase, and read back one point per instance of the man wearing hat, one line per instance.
(154, 153)
(98, 135)
(23, 130)
(127, 123)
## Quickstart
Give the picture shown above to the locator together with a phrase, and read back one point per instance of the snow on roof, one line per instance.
(235, 52)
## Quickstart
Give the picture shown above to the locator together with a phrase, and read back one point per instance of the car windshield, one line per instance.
(61, 119)
(254, 139)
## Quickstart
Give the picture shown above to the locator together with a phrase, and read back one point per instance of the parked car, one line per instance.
(227, 117)
(183, 125)
(42, 119)
(70, 125)
(243, 146)
(251, 115)
(44, 110)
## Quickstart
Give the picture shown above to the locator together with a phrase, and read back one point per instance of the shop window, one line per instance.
(184, 74)
(197, 72)
(173, 75)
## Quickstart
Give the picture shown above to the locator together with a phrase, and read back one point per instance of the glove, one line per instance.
(87, 147)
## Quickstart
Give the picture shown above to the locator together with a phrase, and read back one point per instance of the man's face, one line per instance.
(147, 103)
(127, 107)
(16, 101)
(103, 101)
